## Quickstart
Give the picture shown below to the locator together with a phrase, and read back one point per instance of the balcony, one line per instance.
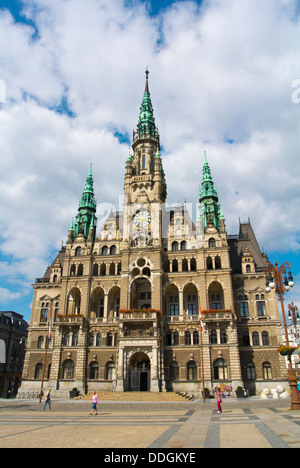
(215, 314)
(70, 319)
(138, 314)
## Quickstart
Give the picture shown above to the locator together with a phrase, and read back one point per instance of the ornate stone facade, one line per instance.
(125, 301)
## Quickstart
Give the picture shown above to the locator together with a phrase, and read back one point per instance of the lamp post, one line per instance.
(277, 279)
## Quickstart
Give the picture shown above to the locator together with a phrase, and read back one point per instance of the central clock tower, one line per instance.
(145, 186)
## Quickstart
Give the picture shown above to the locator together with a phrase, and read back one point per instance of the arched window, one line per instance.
(223, 336)
(80, 270)
(56, 310)
(174, 246)
(267, 371)
(105, 250)
(98, 339)
(73, 270)
(95, 269)
(191, 370)
(40, 343)
(110, 371)
(213, 337)
(74, 339)
(91, 339)
(265, 338)
(248, 269)
(251, 372)
(94, 371)
(109, 339)
(185, 266)
(211, 243)
(183, 245)
(176, 338)
(38, 371)
(220, 370)
(188, 338)
(193, 264)
(78, 252)
(66, 339)
(174, 371)
(175, 266)
(113, 250)
(68, 370)
(218, 265)
(209, 264)
(44, 312)
(195, 338)
(255, 339)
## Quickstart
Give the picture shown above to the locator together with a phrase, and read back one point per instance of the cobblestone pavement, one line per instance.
(248, 423)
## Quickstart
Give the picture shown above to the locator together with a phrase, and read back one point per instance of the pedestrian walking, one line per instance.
(298, 385)
(48, 400)
(95, 401)
(219, 400)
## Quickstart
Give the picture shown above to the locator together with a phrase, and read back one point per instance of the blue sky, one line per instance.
(74, 76)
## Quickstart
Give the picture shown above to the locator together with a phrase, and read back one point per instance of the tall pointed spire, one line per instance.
(87, 208)
(146, 124)
(210, 209)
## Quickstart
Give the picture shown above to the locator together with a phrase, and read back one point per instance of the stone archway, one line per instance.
(139, 371)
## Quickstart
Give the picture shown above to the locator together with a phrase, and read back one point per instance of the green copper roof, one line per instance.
(146, 123)
(208, 188)
(87, 208)
(210, 209)
(87, 198)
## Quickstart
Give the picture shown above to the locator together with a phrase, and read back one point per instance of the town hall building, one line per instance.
(125, 302)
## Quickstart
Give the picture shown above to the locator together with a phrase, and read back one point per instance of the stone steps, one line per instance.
(136, 396)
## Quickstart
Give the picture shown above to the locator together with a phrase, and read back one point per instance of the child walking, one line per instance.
(219, 400)
(95, 401)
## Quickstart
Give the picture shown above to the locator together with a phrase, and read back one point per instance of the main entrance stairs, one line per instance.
(137, 396)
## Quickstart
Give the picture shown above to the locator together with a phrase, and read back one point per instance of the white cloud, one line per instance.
(6, 296)
(221, 79)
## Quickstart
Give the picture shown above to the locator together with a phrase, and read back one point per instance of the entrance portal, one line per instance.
(139, 369)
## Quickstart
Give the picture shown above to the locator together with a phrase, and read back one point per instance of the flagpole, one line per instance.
(201, 348)
(46, 350)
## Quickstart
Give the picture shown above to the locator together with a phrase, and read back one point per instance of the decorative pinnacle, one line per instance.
(147, 85)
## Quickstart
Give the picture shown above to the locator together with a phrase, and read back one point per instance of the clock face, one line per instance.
(142, 219)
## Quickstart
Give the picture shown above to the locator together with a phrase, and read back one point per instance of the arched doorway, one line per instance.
(139, 369)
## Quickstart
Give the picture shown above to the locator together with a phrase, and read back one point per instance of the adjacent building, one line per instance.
(13, 335)
(125, 300)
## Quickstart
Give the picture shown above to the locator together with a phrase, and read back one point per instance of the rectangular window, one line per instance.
(261, 308)
(244, 311)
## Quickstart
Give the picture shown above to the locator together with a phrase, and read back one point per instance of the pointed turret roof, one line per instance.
(87, 208)
(208, 188)
(146, 124)
(210, 209)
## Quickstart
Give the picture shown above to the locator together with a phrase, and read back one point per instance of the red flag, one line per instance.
(50, 324)
(201, 321)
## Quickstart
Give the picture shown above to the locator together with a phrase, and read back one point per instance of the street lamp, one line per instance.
(280, 278)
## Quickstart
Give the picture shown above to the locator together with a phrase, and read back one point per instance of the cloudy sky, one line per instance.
(224, 77)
